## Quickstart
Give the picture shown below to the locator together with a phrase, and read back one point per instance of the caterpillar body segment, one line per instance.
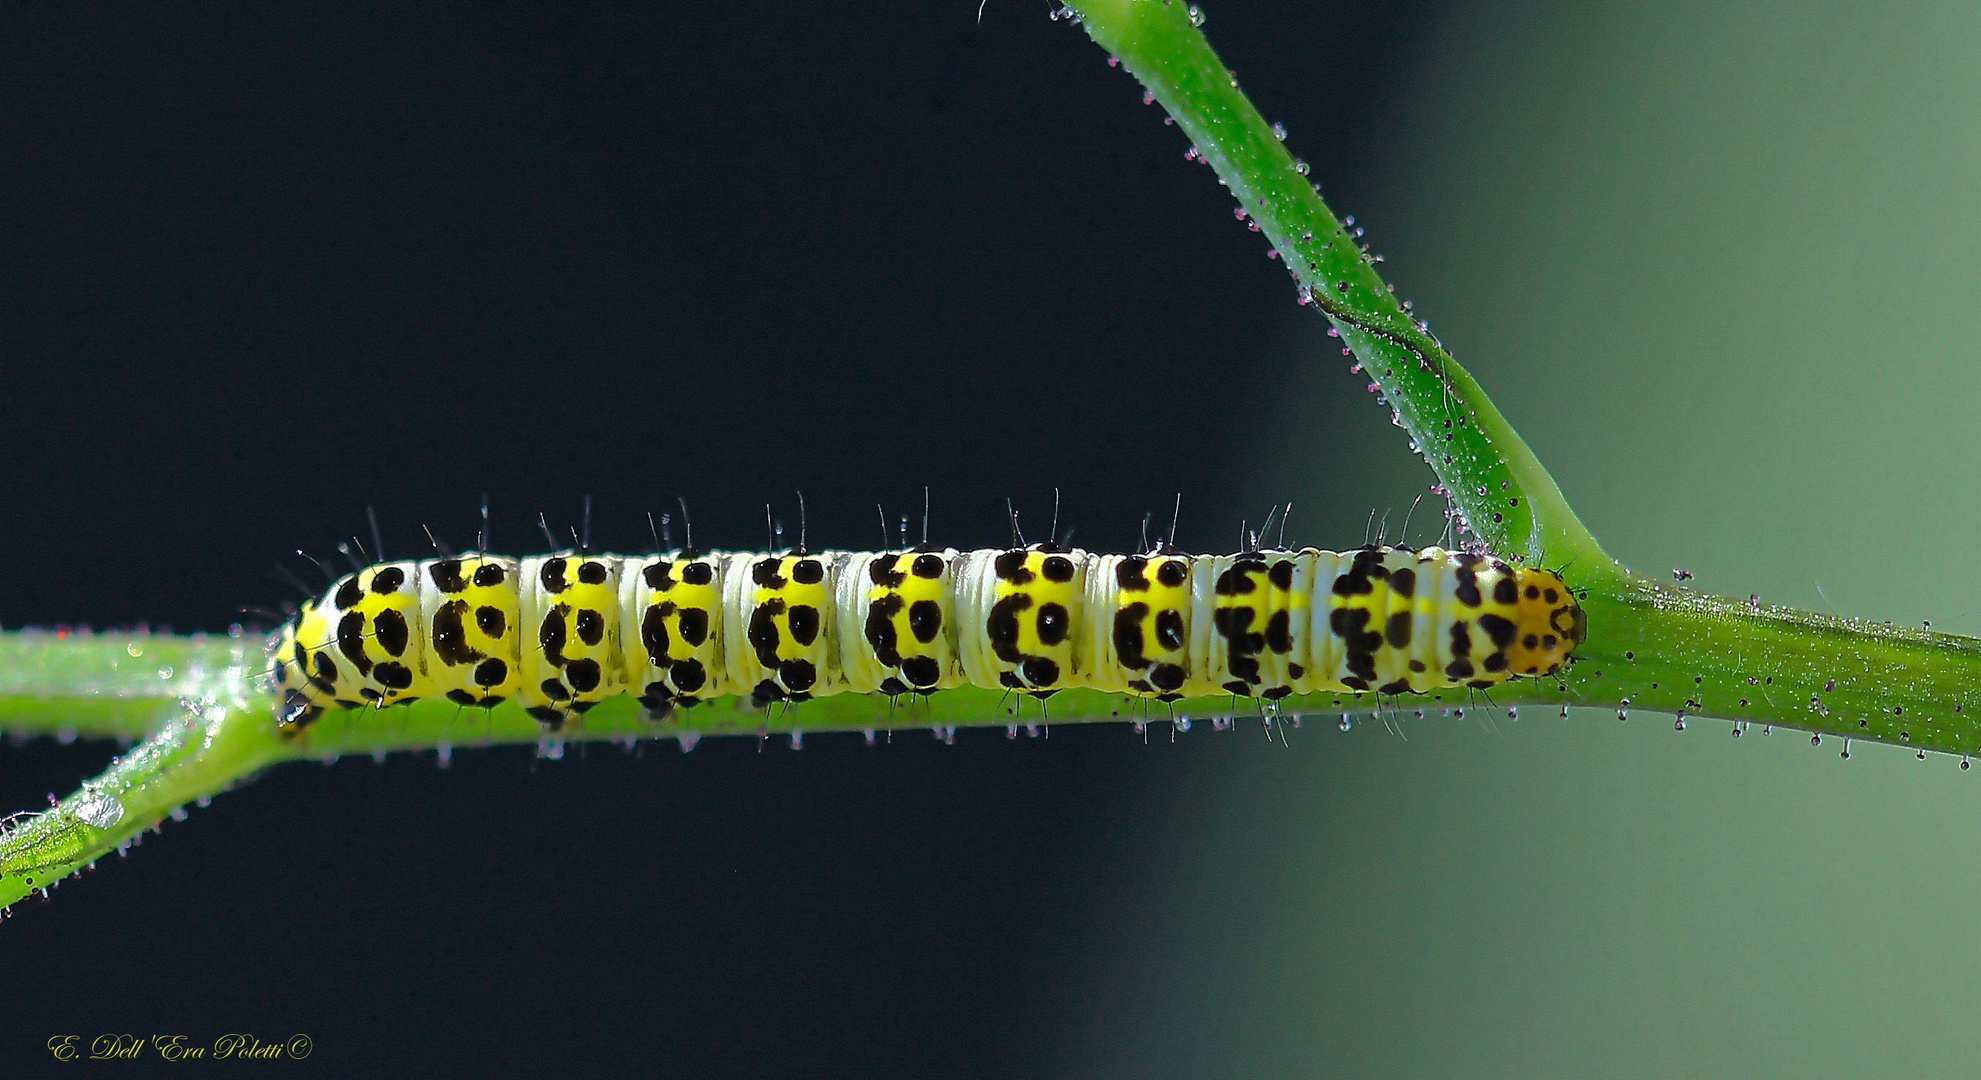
(906, 639)
(472, 612)
(560, 632)
(571, 614)
(785, 607)
(671, 631)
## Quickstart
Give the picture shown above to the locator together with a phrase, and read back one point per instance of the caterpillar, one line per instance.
(560, 632)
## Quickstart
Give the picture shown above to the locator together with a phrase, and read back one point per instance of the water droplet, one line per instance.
(1279, 131)
(165, 672)
(1346, 723)
(134, 649)
(797, 740)
(1183, 723)
(1196, 15)
(1148, 97)
(1301, 167)
(99, 810)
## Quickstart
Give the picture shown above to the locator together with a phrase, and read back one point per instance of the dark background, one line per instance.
(262, 267)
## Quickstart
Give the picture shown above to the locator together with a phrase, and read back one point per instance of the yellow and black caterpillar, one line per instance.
(560, 632)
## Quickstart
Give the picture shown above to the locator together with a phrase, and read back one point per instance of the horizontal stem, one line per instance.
(1671, 649)
(109, 685)
(206, 744)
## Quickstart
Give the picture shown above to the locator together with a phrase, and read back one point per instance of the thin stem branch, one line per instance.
(1501, 490)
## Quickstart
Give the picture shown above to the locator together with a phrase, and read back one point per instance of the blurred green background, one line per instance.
(1719, 264)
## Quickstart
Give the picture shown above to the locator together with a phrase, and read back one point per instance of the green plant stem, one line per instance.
(119, 685)
(1500, 488)
(1674, 650)
(203, 736)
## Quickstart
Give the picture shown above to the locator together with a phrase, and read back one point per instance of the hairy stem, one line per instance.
(202, 743)
(119, 685)
(1494, 480)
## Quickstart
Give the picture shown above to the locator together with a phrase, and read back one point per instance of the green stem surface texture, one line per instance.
(1652, 647)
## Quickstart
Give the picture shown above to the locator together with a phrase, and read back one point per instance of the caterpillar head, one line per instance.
(1548, 626)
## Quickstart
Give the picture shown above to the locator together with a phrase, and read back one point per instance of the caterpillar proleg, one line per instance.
(559, 633)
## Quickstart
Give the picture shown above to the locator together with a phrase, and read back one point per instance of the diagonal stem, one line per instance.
(1500, 489)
